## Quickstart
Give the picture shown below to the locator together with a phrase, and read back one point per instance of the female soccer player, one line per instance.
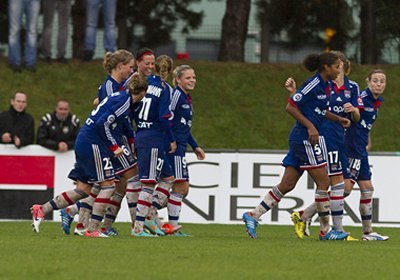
(309, 107)
(357, 140)
(153, 127)
(94, 148)
(343, 102)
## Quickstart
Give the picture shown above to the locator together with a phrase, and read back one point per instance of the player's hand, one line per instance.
(172, 147)
(17, 141)
(313, 135)
(62, 147)
(6, 137)
(348, 108)
(200, 153)
(345, 122)
(118, 152)
(290, 85)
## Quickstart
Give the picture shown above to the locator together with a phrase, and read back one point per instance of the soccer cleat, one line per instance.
(95, 233)
(152, 226)
(66, 221)
(251, 224)
(142, 234)
(109, 231)
(79, 230)
(299, 224)
(182, 234)
(333, 235)
(37, 217)
(170, 229)
(374, 236)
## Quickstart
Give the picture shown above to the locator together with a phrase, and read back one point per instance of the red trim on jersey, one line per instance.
(114, 147)
(291, 102)
(66, 197)
(143, 202)
(377, 104)
(131, 140)
(365, 201)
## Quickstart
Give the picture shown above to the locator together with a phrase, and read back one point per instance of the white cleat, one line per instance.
(79, 231)
(374, 236)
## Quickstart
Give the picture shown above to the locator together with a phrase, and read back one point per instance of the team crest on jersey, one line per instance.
(347, 93)
(65, 129)
(185, 106)
(297, 97)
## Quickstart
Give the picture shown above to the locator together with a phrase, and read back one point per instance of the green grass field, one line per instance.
(213, 252)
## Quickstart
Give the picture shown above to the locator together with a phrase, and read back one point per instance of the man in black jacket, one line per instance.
(58, 130)
(17, 126)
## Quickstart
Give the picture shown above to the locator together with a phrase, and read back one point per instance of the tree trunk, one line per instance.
(78, 26)
(369, 50)
(265, 41)
(234, 30)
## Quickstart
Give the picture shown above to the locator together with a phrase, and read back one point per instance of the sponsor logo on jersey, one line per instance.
(322, 96)
(186, 106)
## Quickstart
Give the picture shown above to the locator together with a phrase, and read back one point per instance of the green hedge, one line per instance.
(236, 105)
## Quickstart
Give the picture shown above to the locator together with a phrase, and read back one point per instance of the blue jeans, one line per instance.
(92, 14)
(16, 9)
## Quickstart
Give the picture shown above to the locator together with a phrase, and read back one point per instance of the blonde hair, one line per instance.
(137, 84)
(111, 59)
(164, 65)
(346, 62)
(178, 71)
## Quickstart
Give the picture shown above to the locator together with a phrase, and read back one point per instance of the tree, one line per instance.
(156, 19)
(234, 30)
(306, 22)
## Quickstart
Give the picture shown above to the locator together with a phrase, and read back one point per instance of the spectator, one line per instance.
(17, 126)
(16, 9)
(63, 9)
(92, 13)
(58, 130)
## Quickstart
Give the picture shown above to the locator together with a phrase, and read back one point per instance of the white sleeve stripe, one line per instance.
(109, 88)
(175, 99)
(123, 108)
(310, 86)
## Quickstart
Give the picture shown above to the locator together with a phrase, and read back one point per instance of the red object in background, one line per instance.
(29, 170)
(182, 56)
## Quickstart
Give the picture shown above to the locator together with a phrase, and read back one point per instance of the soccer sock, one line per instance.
(73, 209)
(323, 207)
(174, 207)
(132, 194)
(309, 211)
(143, 206)
(86, 207)
(99, 206)
(366, 209)
(160, 198)
(270, 200)
(337, 204)
(63, 200)
(112, 210)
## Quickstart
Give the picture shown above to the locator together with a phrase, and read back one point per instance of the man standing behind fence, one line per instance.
(58, 130)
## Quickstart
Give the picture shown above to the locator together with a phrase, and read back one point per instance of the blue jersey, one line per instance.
(356, 136)
(348, 93)
(181, 107)
(152, 115)
(312, 99)
(113, 110)
(108, 87)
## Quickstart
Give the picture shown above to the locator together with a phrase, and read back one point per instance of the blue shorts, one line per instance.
(334, 154)
(303, 156)
(93, 163)
(126, 160)
(153, 164)
(178, 163)
(357, 169)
